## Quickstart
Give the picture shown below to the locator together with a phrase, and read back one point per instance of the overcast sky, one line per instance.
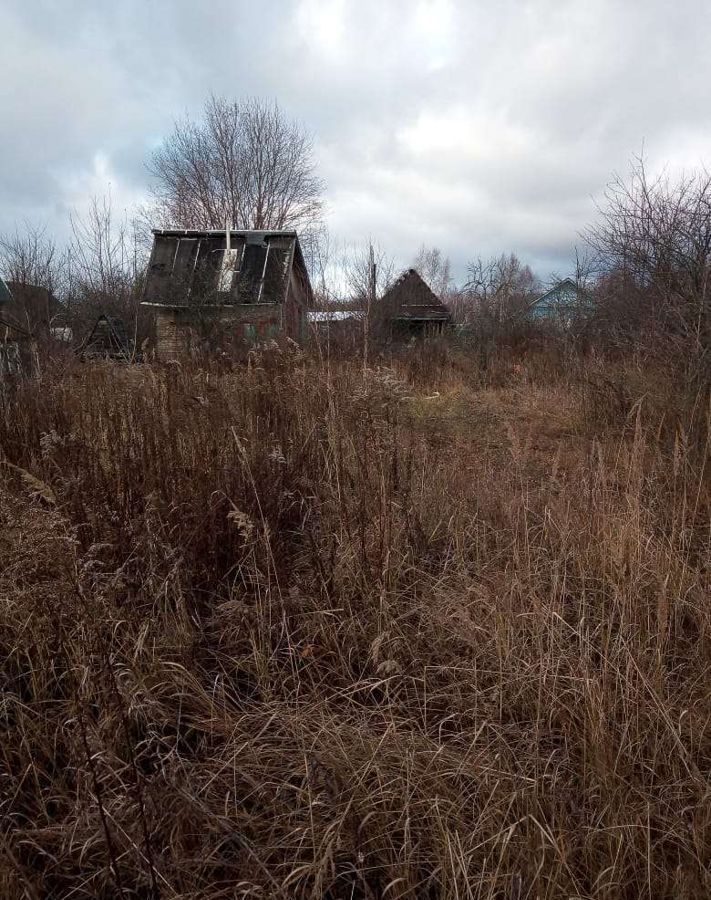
(478, 127)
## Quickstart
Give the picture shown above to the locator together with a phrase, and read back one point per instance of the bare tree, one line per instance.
(320, 255)
(105, 263)
(368, 272)
(244, 163)
(349, 279)
(435, 268)
(30, 258)
(499, 290)
(653, 245)
(35, 271)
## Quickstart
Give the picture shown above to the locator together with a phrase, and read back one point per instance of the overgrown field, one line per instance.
(437, 629)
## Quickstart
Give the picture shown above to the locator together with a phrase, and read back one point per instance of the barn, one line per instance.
(215, 289)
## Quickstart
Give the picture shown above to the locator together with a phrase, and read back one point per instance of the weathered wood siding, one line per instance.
(295, 309)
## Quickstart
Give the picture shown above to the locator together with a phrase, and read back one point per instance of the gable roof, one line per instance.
(220, 256)
(562, 287)
(108, 338)
(411, 299)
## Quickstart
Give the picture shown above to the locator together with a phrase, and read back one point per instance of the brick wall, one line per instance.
(181, 329)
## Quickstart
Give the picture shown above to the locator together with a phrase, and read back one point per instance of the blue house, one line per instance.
(564, 302)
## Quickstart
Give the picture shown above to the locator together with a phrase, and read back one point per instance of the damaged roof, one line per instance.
(217, 266)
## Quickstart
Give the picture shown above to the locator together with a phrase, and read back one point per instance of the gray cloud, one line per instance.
(478, 127)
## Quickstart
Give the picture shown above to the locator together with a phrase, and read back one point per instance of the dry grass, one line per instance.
(289, 631)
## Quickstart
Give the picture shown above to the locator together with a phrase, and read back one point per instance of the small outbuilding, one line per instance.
(108, 339)
(410, 308)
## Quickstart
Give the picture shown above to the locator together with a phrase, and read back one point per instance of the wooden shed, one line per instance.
(410, 308)
(215, 288)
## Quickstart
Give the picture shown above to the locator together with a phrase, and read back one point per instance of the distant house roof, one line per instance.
(108, 338)
(217, 266)
(564, 294)
(412, 300)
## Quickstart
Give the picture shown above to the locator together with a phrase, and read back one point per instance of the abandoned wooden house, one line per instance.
(410, 308)
(212, 289)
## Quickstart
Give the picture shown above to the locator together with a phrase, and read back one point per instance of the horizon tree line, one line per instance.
(248, 165)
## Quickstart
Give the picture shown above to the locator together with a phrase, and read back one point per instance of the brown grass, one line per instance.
(290, 630)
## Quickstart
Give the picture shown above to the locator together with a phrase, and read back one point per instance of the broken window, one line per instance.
(214, 280)
(275, 275)
(161, 267)
(226, 275)
(251, 273)
(184, 266)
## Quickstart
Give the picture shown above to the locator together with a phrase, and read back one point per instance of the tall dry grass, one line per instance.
(301, 630)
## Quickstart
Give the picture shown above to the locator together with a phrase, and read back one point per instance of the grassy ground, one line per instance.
(429, 630)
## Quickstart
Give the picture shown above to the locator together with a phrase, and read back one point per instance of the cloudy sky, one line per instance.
(472, 125)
